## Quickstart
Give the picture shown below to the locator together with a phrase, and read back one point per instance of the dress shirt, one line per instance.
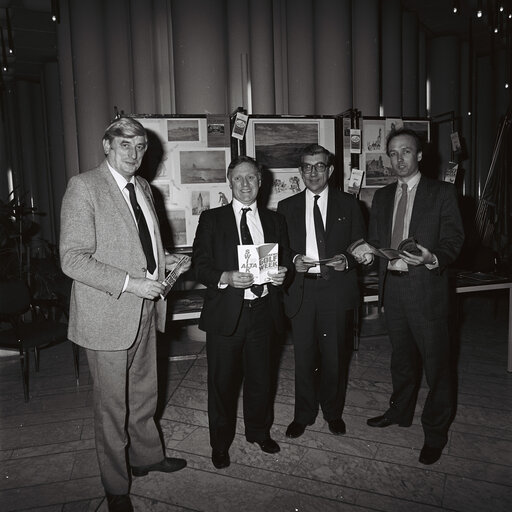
(412, 187)
(256, 229)
(121, 183)
(311, 246)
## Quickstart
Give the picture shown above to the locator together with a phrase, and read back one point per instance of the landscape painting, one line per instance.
(202, 167)
(183, 130)
(278, 145)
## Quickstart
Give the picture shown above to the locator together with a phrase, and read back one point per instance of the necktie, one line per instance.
(245, 234)
(398, 228)
(320, 237)
(145, 237)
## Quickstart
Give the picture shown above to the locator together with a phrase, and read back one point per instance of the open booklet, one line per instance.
(361, 247)
(173, 275)
(259, 260)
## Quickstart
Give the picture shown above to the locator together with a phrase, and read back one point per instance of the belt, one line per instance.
(398, 273)
(254, 303)
(316, 275)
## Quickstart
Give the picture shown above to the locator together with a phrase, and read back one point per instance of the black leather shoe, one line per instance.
(168, 465)
(383, 421)
(295, 429)
(268, 445)
(119, 503)
(220, 459)
(430, 454)
(337, 427)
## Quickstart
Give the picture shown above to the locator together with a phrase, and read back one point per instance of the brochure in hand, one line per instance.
(259, 260)
(361, 246)
(173, 275)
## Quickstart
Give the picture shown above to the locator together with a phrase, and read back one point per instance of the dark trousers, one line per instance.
(245, 355)
(418, 342)
(124, 402)
(322, 353)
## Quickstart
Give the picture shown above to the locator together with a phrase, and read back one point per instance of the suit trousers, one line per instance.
(124, 402)
(418, 341)
(322, 349)
(245, 355)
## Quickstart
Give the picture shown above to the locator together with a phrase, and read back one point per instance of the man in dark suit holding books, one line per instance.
(322, 222)
(239, 317)
(414, 290)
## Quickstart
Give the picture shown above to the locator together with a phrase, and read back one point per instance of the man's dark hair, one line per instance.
(238, 160)
(316, 149)
(124, 127)
(404, 131)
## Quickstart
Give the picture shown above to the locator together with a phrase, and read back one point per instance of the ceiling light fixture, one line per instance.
(479, 9)
(455, 6)
(55, 11)
(5, 65)
(10, 41)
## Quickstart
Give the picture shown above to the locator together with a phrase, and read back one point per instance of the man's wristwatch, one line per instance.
(435, 260)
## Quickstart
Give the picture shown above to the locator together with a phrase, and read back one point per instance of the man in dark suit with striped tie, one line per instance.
(239, 317)
(322, 222)
(414, 290)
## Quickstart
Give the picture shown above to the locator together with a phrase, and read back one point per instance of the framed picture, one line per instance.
(187, 176)
(276, 144)
(206, 166)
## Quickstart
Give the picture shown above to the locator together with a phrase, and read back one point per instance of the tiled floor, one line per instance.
(48, 459)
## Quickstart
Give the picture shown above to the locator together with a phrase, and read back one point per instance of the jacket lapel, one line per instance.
(118, 199)
(389, 203)
(421, 205)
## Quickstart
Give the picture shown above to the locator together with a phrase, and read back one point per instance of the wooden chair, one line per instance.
(29, 327)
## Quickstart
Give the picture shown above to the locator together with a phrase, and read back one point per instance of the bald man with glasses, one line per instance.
(322, 222)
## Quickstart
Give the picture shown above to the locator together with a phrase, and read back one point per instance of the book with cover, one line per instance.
(259, 260)
(173, 275)
(361, 246)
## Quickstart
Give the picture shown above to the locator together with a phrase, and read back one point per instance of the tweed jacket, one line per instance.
(99, 246)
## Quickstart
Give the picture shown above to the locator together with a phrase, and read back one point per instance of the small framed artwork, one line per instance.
(378, 171)
(205, 166)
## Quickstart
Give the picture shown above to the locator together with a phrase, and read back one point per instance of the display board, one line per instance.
(186, 163)
(373, 159)
(276, 143)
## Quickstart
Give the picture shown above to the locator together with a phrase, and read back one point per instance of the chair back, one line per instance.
(14, 297)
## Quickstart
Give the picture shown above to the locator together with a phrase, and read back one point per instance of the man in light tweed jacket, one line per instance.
(110, 246)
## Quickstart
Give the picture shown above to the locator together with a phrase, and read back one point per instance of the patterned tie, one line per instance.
(245, 234)
(320, 237)
(398, 228)
(145, 237)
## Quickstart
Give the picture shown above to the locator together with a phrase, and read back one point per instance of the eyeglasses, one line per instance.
(319, 167)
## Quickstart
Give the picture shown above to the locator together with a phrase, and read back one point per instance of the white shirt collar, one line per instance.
(237, 206)
(323, 194)
(120, 179)
(412, 182)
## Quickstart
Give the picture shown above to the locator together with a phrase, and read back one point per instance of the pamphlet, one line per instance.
(355, 181)
(361, 247)
(259, 260)
(173, 275)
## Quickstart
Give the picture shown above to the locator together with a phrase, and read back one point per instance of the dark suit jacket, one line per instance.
(344, 225)
(215, 251)
(436, 224)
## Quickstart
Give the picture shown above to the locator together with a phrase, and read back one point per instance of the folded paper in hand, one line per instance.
(361, 247)
(173, 275)
(259, 260)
